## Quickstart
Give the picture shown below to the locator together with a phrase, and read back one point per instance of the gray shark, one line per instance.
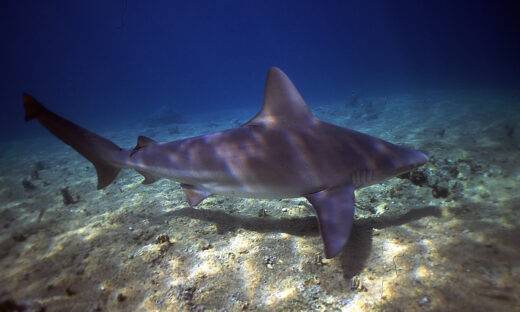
(282, 152)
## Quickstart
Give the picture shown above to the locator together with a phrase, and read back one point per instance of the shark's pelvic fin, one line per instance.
(102, 153)
(335, 211)
(148, 178)
(194, 195)
(282, 102)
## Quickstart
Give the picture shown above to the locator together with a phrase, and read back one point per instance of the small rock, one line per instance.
(11, 305)
(464, 170)
(121, 297)
(19, 237)
(188, 293)
(269, 261)
(322, 261)
(28, 186)
(163, 238)
(39, 165)
(35, 175)
(70, 292)
(423, 301)
(205, 245)
(67, 197)
(262, 213)
(381, 208)
(439, 191)
(416, 176)
(357, 285)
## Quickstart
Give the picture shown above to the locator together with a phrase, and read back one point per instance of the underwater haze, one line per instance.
(440, 77)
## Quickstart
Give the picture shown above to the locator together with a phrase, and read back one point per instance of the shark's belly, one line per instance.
(253, 190)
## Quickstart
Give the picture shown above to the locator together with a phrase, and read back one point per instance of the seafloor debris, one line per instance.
(39, 165)
(163, 238)
(70, 292)
(67, 197)
(19, 237)
(269, 261)
(440, 191)
(204, 245)
(121, 297)
(262, 213)
(417, 176)
(440, 133)
(28, 186)
(166, 115)
(188, 293)
(35, 175)
(35, 172)
(510, 130)
(10, 305)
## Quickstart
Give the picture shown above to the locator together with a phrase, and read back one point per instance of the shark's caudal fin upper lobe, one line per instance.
(102, 153)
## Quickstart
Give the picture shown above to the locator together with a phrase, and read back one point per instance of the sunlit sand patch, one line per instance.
(176, 267)
(303, 245)
(393, 248)
(422, 273)
(356, 304)
(60, 242)
(283, 291)
(206, 267)
(239, 243)
(251, 278)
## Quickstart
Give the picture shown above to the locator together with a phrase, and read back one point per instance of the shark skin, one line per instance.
(282, 152)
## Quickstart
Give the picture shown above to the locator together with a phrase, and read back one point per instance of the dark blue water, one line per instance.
(104, 62)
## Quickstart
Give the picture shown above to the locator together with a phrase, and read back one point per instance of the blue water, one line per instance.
(439, 76)
(103, 63)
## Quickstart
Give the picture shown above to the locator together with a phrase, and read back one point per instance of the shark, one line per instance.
(284, 151)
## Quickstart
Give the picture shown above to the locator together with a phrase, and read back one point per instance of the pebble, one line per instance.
(262, 213)
(163, 238)
(121, 297)
(205, 245)
(424, 301)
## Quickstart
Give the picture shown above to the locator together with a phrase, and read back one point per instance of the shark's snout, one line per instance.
(420, 158)
(409, 159)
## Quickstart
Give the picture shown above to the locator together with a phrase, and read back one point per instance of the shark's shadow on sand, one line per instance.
(354, 255)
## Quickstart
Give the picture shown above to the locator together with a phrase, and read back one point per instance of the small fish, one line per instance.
(282, 152)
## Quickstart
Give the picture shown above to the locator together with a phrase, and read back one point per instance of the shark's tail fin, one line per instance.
(107, 157)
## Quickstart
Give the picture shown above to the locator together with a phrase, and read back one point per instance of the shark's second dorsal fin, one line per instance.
(142, 141)
(282, 102)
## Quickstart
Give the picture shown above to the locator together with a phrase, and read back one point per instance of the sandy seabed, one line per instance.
(445, 238)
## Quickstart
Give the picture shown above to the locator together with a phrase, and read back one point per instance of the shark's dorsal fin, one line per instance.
(142, 141)
(282, 102)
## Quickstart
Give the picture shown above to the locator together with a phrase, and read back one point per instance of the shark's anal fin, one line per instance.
(335, 211)
(194, 195)
(148, 178)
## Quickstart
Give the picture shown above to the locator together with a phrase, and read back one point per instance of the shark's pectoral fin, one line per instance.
(335, 211)
(194, 195)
